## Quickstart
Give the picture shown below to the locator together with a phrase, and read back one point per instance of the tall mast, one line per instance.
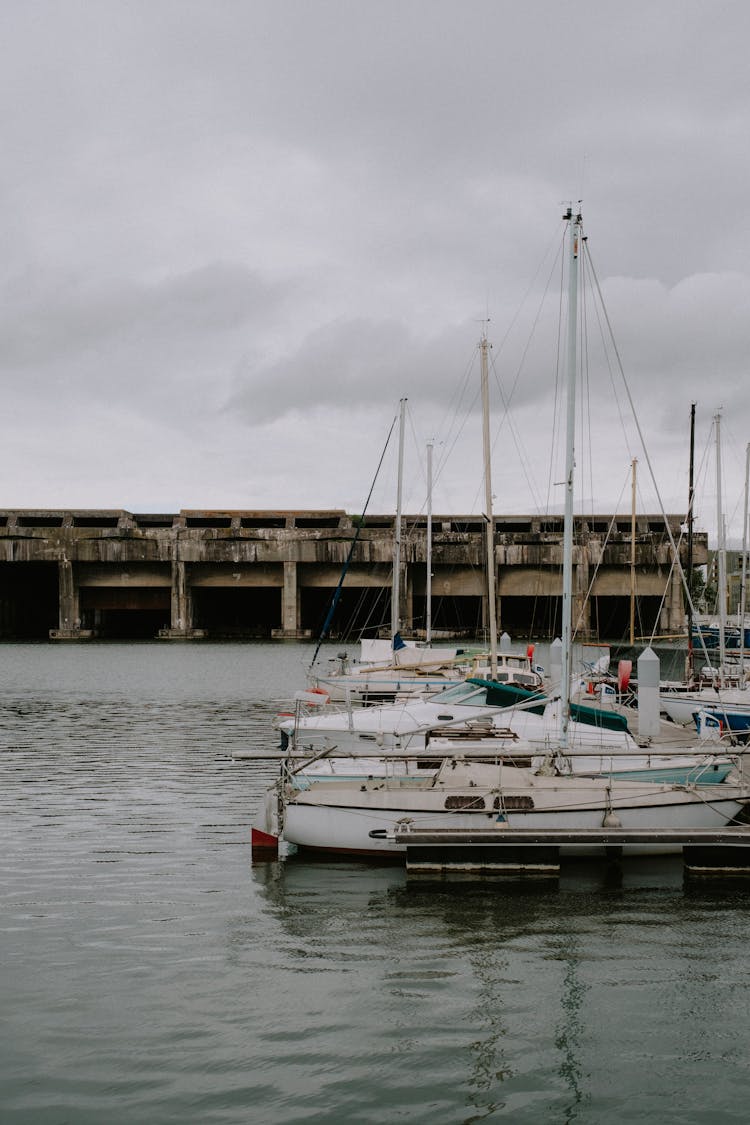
(428, 577)
(632, 559)
(396, 586)
(491, 597)
(691, 497)
(567, 595)
(743, 583)
(722, 556)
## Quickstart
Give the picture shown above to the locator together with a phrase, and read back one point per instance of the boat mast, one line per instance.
(428, 577)
(743, 580)
(722, 556)
(491, 596)
(632, 558)
(690, 670)
(396, 580)
(567, 594)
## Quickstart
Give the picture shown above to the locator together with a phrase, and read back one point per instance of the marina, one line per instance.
(374, 637)
(357, 808)
(519, 772)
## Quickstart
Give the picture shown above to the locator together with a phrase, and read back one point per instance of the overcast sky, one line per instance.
(234, 234)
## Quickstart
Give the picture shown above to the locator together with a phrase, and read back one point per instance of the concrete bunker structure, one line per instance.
(79, 574)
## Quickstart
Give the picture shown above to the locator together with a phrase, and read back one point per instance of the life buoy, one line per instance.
(324, 696)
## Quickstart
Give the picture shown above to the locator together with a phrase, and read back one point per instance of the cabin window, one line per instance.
(467, 801)
(515, 802)
(463, 693)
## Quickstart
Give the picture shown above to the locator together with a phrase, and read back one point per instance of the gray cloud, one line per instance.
(223, 221)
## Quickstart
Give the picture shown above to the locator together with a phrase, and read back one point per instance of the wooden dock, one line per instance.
(531, 852)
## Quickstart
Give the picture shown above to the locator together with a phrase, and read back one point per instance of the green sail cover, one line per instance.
(509, 695)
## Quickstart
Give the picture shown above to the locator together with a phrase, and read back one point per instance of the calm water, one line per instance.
(150, 974)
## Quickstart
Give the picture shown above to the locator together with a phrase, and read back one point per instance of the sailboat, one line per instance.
(358, 816)
(725, 700)
(389, 668)
(385, 669)
(359, 819)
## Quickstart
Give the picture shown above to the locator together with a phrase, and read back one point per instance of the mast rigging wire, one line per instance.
(360, 525)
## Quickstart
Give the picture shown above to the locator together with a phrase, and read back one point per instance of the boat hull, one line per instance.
(361, 823)
(682, 707)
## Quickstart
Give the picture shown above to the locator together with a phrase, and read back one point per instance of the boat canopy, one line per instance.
(508, 695)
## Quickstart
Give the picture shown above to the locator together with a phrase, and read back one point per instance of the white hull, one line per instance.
(407, 727)
(355, 820)
(681, 707)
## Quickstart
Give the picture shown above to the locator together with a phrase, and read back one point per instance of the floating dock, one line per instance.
(530, 852)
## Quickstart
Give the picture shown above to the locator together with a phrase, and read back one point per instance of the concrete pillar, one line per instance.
(181, 615)
(403, 597)
(673, 612)
(291, 614)
(69, 628)
(289, 601)
(182, 603)
(581, 603)
(408, 618)
(70, 616)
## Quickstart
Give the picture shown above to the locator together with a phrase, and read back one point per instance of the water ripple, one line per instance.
(150, 973)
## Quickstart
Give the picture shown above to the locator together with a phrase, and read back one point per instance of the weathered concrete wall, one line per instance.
(303, 550)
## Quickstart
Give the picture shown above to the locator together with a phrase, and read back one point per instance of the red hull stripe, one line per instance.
(260, 839)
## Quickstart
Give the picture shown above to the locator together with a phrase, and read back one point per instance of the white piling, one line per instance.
(648, 694)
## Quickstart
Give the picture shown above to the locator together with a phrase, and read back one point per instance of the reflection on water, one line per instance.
(150, 972)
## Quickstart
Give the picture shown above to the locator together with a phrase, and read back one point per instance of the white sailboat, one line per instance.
(386, 669)
(359, 819)
(356, 816)
(405, 668)
(728, 702)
